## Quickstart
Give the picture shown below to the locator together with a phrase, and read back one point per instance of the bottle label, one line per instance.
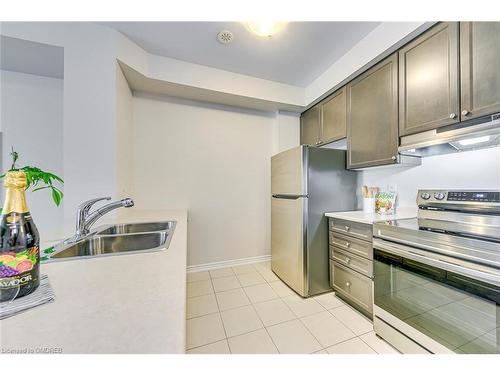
(17, 269)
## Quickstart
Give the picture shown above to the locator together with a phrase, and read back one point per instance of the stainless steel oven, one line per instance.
(436, 284)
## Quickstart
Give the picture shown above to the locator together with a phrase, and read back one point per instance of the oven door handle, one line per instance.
(472, 270)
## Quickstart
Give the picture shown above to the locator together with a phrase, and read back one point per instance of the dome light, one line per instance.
(265, 28)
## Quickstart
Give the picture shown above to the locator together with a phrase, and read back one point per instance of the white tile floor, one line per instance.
(247, 309)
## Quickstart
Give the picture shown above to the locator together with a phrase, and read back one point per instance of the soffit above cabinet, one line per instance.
(25, 56)
(141, 83)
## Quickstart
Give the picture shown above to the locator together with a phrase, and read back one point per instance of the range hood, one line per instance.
(474, 134)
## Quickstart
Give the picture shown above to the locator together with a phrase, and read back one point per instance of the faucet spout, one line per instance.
(100, 212)
(84, 219)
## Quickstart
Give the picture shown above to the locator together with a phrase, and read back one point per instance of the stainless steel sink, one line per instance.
(119, 239)
(136, 228)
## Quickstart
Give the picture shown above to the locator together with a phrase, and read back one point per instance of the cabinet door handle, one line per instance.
(465, 112)
(347, 244)
(348, 284)
(347, 228)
(347, 260)
(393, 157)
(453, 115)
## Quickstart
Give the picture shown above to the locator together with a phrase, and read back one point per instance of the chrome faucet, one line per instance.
(84, 219)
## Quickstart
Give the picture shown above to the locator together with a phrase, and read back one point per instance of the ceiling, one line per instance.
(296, 56)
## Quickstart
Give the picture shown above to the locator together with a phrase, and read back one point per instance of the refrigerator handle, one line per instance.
(288, 196)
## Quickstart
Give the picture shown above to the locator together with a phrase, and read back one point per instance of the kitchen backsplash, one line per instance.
(466, 170)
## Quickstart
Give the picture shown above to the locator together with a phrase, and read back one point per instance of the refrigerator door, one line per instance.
(289, 172)
(288, 240)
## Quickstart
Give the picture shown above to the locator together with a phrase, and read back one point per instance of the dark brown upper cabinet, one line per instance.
(325, 122)
(372, 116)
(429, 80)
(310, 126)
(333, 117)
(479, 68)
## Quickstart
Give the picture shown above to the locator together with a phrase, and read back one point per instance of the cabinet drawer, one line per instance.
(352, 228)
(357, 247)
(352, 261)
(352, 285)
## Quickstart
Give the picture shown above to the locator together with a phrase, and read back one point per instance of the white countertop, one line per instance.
(133, 303)
(371, 217)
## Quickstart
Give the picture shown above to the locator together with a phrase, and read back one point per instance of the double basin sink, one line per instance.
(119, 239)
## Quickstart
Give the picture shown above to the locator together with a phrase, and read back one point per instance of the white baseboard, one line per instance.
(227, 263)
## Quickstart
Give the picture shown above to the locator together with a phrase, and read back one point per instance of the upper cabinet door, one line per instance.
(372, 116)
(428, 80)
(309, 127)
(479, 67)
(333, 117)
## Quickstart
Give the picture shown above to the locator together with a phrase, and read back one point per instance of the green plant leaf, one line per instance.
(49, 250)
(56, 197)
(37, 179)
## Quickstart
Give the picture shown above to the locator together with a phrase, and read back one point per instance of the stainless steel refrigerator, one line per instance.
(306, 182)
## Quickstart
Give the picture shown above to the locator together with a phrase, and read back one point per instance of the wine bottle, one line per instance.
(19, 241)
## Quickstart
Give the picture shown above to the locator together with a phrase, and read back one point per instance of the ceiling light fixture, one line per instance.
(473, 141)
(265, 28)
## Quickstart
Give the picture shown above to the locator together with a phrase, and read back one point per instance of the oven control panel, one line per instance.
(474, 196)
(428, 197)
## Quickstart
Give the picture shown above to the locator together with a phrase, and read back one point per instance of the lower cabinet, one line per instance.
(352, 285)
(351, 267)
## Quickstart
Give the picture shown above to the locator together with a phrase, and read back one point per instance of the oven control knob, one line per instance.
(439, 196)
(425, 196)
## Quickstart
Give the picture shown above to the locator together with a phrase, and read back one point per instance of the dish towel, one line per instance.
(42, 295)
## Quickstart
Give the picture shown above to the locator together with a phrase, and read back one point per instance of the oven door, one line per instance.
(442, 303)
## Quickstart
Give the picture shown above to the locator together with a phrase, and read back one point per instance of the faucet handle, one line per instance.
(85, 206)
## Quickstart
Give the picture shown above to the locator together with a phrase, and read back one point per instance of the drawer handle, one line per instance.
(347, 260)
(348, 284)
(347, 244)
(347, 229)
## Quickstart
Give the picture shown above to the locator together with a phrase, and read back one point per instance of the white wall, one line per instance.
(286, 131)
(467, 170)
(89, 127)
(32, 122)
(212, 160)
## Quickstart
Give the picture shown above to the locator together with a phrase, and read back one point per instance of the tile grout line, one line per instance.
(220, 315)
(367, 344)
(251, 304)
(265, 328)
(308, 330)
(210, 343)
(341, 322)
(220, 312)
(281, 298)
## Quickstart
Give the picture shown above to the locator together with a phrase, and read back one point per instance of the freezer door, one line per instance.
(287, 242)
(288, 172)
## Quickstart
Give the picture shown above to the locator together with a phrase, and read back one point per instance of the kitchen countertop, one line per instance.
(371, 217)
(134, 303)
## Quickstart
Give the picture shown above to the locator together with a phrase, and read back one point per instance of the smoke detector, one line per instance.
(225, 37)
